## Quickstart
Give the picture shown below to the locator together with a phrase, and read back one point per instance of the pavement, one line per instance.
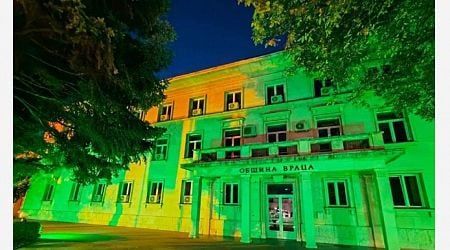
(67, 236)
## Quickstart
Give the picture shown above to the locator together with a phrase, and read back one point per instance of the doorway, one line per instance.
(281, 215)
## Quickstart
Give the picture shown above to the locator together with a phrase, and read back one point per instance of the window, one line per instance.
(165, 112)
(276, 133)
(125, 192)
(329, 127)
(48, 194)
(393, 126)
(155, 191)
(233, 100)
(141, 115)
(186, 192)
(160, 150)
(99, 192)
(337, 193)
(405, 191)
(232, 137)
(275, 94)
(231, 194)
(194, 142)
(197, 106)
(75, 192)
(323, 87)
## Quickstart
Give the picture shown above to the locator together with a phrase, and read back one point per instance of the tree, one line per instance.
(344, 39)
(82, 70)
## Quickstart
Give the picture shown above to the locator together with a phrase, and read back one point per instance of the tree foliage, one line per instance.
(82, 68)
(343, 39)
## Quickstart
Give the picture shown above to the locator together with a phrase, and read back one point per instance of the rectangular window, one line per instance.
(165, 113)
(197, 106)
(393, 126)
(276, 133)
(275, 94)
(329, 127)
(186, 192)
(194, 142)
(233, 100)
(231, 194)
(323, 87)
(155, 192)
(142, 115)
(160, 151)
(48, 194)
(337, 193)
(75, 192)
(125, 192)
(99, 192)
(232, 137)
(405, 191)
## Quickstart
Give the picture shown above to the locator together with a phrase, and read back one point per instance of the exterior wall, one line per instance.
(363, 222)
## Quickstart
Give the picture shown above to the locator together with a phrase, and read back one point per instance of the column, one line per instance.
(196, 203)
(306, 203)
(388, 221)
(245, 209)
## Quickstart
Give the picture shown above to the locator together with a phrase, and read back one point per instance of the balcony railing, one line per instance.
(334, 144)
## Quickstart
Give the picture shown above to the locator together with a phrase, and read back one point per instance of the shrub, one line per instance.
(25, 233)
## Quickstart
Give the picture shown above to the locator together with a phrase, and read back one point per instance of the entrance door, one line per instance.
(281, 216)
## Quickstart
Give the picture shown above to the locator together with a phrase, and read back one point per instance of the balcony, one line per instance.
(304, 146)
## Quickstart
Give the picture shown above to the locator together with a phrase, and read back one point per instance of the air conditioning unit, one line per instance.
(123, 198)
(163, 118)
(159, 157)
(197, 112)
(326, 90)
(249, 131)
(153, 199)
(187, 199)
(276, 99)
(233, 106)
(301, 126)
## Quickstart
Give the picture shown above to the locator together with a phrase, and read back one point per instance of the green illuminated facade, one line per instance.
(254, 153)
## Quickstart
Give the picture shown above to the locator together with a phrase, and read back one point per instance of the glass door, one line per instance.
(281, 216)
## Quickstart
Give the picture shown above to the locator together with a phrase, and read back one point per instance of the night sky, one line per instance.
(210, 33)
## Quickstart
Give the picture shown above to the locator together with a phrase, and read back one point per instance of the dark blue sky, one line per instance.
(210, 33)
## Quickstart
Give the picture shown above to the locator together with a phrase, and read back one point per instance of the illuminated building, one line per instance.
(253, 152)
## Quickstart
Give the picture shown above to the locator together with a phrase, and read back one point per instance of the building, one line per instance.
(252, 152)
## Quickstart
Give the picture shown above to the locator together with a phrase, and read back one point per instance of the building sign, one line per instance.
(277, 169)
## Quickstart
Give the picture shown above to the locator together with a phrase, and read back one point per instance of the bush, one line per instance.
(25, 233)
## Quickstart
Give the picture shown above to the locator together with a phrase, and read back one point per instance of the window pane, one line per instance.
(153, 189)
(413, 191)
(397, 192)
(229, 99)
(400, 132)
(170, 110)
(235, 194)
(335, 131)
(270, 93)
(237, 98)
(389, 116)
(323, 132)
(387, 137)
(228, 142)
(195, 138)
(202, 103)
(272, 138)
(328, 123)
(279, 189)
(236, 142)
(187, 188)
(280, 90)
(276, 128)
(227, 193)
(230, 133)
(331, 194)
(282, 137)
(342, 194)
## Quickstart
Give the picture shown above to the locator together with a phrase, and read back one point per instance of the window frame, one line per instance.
(183, 194)
(49, 192)
(276, 133)
(328, 128)
(390, 122)
(275, 93)
(337, 194)
(232, 194)
(195, 142)
(198, 100)
(233, 93)
(95, 192)
(232, 138)
(168, 106)
(159, 191)
(405, 192)
(75, 191)
(163, 147)
(128, 193)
